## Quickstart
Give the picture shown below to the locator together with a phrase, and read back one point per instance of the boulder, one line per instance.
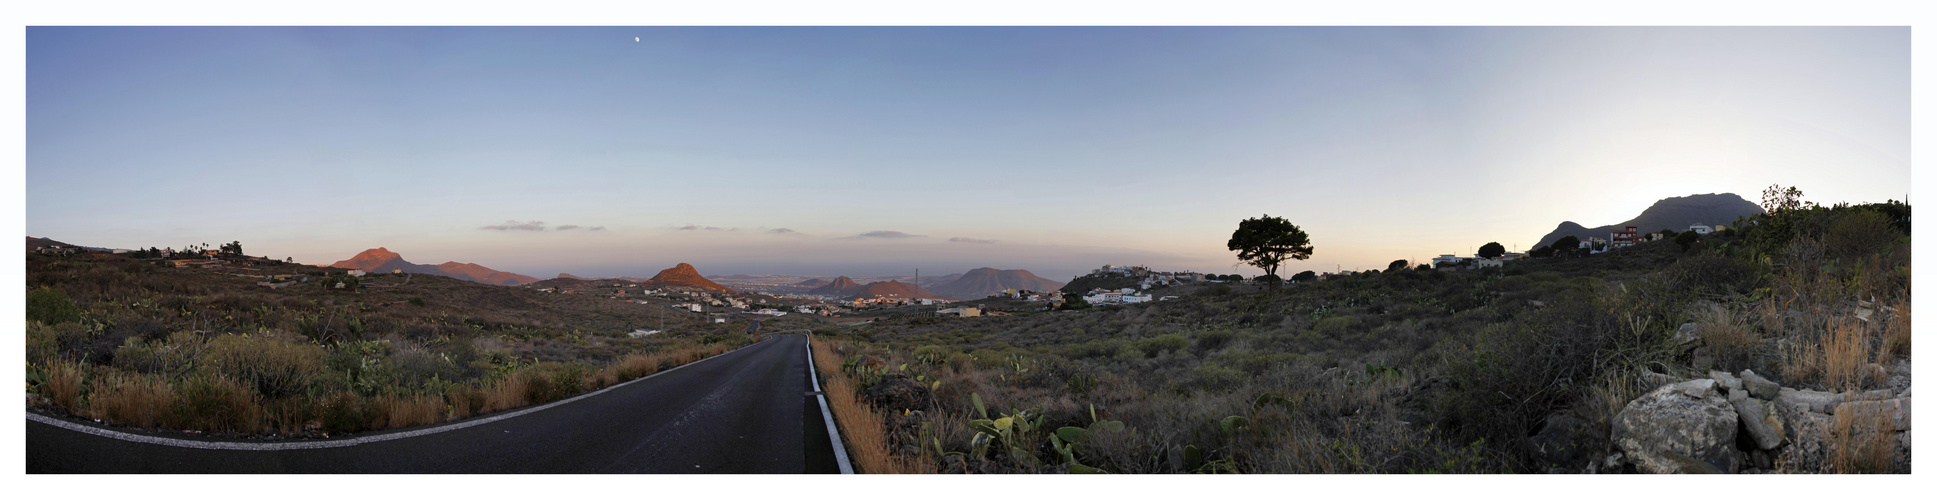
(1758, 386)
(1896, 410)
(896, 393)
(1565, 441)
(1680, 428)
(1807, 430)
(1812, 401)
(1729, 383)
(1760, 421)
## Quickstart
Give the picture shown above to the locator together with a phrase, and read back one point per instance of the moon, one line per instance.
(635, 39)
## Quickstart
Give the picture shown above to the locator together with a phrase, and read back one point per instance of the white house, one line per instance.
(1699, 228)
(356, 272)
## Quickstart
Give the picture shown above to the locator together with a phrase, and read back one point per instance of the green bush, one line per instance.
(1215, 377)
(1162, 343)
(51, 306)
(274, 367)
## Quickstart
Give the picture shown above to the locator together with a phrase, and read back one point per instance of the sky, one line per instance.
(867, 151)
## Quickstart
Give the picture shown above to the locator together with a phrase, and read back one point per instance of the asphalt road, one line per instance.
(748, 411)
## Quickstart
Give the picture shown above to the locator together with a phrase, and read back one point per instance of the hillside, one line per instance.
(840, 287)
(892, 289)
(682, 276)
(1671, 213)
(1089, 282)
(382, 260)
(33, 242)
(982, 281)
(812, 283)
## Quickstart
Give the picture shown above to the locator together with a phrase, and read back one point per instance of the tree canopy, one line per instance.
(1492, 250)
(1268, 241)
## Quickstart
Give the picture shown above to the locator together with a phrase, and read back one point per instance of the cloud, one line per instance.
(885, 234)
(521, 226)
(965, 239)
(567, 227)
(695, 227)
(596, 228)
(782, 230)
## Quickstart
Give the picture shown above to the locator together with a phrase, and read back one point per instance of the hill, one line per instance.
(840, 287)
(1083, 284)
(382, 260)
(33, 243)
(894, 290)
(813, 283)
(1671, 213)
(682, 276)
(982, 281)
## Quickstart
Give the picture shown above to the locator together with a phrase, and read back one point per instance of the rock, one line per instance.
(1686, 336)
(1728, 382)
(1905, 393)
(1813, 401)
(897, 393)
(1760, 421)
(1697, 388)
(1657, 379)
(1758, 386)
(1897, 410)
(1806, 430)
(1875, 376)
(1565, 440)
(1669, 430)
(1702, 359)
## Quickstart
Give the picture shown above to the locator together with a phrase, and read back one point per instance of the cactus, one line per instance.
(1232, 424)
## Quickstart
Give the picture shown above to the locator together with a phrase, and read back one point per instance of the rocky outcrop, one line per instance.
(1687, 427)
(1692, 426)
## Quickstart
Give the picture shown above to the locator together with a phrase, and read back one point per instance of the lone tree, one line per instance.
(1492, 250)
(1397, 265)
(1566, 245)
(1267, 241)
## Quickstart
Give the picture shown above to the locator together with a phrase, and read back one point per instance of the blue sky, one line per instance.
(868, 151)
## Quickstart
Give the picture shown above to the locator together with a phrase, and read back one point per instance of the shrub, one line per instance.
(1858, 232)
(1219, 378)
(1896, 334)
(217, 404)
(344, 412)
(1728, 336)
(1162, 343)
(274, 367)
(51, 306)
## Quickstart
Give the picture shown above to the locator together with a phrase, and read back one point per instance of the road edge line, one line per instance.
(840, 447)
(341, 443)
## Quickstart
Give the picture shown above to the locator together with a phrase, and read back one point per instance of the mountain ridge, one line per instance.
(983, 281)
(382, 260)
(1675, 213)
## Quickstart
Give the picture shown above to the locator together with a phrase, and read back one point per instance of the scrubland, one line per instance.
(130, 342)
(1408, 371)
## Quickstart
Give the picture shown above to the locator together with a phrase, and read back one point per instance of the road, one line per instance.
(747, 411)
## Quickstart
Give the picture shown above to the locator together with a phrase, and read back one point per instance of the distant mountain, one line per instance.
(382, 260)
(840, 287)
(893, 289)
(45, 242)
(815, 282)
(983, 281)
(567, 276)
(1672, 213)
(683, 276)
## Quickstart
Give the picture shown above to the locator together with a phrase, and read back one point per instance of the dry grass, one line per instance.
(512, 391)
(1862, 442)
(394, 411)
(1896, 334)
(131, 399)
(861, 426)
(1846, 353)
(63, 385)
(1728, 336)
